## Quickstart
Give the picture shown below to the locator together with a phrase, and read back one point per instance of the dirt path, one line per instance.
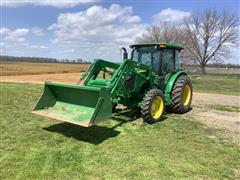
(207, 98)
(229, 122)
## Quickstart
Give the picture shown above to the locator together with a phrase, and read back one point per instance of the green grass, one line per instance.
(38, 148)
(222, 84)
(224, 107)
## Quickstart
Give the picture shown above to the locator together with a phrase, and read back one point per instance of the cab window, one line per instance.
(177, 59)
(168, 57)
(147, 55)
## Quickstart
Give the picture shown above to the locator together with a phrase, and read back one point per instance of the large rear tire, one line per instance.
(181, 95)
(153, 106)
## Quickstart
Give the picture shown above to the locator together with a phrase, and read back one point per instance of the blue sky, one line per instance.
(88, 28)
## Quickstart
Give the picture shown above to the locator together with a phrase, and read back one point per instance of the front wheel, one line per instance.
(153, 106)
(181, 95)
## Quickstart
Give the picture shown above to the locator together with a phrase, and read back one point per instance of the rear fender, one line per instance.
(170, 84)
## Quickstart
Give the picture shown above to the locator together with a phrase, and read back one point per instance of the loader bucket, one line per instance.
(75, 104)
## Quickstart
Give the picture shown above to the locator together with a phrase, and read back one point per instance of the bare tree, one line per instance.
(163, 32)
(209, 36)
(169, 33)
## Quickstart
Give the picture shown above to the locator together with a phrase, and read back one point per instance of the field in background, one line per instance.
(41, 72)
(176, 148)
(21, 68)
(219, 84)
(213, 70)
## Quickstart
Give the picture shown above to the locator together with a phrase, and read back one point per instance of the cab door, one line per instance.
(167, 61)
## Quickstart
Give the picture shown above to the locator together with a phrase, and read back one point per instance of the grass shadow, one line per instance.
(94, 134)
(97, 134)
(131, 115)
(169, 110)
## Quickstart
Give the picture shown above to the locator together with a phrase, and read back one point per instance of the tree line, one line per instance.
(42, 60)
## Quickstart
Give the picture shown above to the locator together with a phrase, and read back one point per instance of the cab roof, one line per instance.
(164, 45)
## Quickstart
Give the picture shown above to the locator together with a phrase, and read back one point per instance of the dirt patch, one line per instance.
(69, 78)
(228, 122)
(207, 98)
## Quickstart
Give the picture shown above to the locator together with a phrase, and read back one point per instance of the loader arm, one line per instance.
(127, 68)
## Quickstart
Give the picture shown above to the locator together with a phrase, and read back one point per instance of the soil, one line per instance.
(69, 78)
(228, 122)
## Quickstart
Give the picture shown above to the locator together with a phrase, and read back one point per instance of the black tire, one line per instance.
(114, 107)
(180, 102)
(148, 102)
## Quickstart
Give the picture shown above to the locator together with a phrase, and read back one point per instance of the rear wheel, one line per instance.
(153, 106)
(181, 95)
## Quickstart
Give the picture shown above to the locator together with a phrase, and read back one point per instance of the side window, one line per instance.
(167, 61)
(177, 59)
(135, 55)
(156, 64)
(146, 58)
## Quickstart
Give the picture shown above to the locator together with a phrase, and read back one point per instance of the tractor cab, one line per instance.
(163, 57)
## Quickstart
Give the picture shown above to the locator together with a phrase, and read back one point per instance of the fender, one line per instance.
(170, 84)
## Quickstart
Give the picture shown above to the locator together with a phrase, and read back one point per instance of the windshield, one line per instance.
(147, 55)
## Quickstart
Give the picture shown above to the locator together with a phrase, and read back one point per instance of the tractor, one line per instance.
(150, 81)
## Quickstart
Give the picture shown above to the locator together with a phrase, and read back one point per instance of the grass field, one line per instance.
(20, 68)
(220, 84)
(38, 148)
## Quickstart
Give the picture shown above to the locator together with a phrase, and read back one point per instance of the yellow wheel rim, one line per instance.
(157, 107)
(186, 97)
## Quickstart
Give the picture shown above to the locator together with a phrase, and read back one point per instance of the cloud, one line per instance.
(30, 46)
(98, 31)
(98, 28)
(54, 3)
(170, 15)
(2, 46)
(37, 31)
(17, 35)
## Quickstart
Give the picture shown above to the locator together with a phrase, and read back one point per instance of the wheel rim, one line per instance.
(157, 107)
(186, 95)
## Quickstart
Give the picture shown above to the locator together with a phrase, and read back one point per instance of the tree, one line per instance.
(207, 36)
(169, 33)
(79, 60)
(210, 34)
(163, 32)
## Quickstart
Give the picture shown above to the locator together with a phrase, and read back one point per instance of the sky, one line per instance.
(88, 29)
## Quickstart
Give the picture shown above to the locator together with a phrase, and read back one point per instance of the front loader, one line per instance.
(150, 81)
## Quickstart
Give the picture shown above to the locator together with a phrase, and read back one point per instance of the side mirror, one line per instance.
(125, 54)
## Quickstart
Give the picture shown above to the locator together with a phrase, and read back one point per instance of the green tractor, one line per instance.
(150, 81)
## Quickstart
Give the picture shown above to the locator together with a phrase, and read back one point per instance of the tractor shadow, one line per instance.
(94, 134)
(98, 134)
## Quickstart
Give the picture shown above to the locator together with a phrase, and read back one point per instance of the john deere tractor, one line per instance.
(150, 81)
